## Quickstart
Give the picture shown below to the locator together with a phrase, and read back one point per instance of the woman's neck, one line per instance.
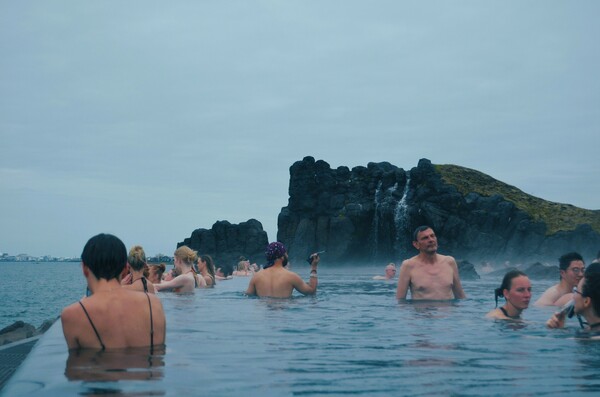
(592, 320)
(103, 285)
(511, 311)
(136, 275)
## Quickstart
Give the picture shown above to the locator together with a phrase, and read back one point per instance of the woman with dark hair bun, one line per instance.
(155, 273)
(516, 289)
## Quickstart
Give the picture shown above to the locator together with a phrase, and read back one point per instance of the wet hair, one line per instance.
(158, 269)
(210, 266)
(186, 254)
(591, 286)
(105, 255)
(419, 230)
(507, 283)
(565, 260)
(136, 258)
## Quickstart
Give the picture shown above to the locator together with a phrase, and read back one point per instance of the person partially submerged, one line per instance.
(516, 290)
(186, 279)
(276, 281)
(586, 302)
(571, 268)
(429, 275)
(113, 316)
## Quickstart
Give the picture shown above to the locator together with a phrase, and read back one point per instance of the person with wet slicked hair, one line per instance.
(571, 268)
(516, 290)
(105, 320)
(429, 275)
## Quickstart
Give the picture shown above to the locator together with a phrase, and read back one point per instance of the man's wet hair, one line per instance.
(419, 230)
(565, 260)
(591, 286)
(105, 255)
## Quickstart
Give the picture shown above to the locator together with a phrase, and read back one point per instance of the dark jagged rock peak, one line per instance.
(467, 271)
(226, 242)
(367, 214)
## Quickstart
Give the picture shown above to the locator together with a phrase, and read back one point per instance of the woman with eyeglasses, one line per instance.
(586, 301)
(516, 290)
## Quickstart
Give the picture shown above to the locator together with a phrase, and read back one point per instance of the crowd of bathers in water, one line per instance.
(121, 308)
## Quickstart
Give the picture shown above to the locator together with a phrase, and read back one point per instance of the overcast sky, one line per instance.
(151, 119)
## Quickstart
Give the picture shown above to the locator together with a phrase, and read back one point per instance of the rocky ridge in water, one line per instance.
(367, 214)
(226, 242)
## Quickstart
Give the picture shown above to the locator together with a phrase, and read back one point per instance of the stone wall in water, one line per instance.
(367, 214)
(226, 242)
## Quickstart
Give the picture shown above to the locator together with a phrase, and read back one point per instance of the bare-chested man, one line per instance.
(276, 281)
(429, 275)
(571, 268)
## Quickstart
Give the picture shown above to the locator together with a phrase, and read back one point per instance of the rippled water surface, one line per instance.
(353, 338)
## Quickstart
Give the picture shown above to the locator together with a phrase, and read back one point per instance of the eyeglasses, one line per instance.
(578, 270)
(576, 291)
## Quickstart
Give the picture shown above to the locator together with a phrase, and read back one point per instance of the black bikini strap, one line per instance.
(151, 326)
(504, 311)
(93, 326)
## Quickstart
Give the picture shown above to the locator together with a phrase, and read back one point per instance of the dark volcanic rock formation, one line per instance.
(467, 271)
(368, 213)
(226, 242)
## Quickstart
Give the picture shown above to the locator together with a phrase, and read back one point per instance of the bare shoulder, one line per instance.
(70, 312)
(448, 260)
(409, 263)
(72, 317)
(495, 314)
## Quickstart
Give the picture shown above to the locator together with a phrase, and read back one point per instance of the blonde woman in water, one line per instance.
(136, 279)
(187, 279)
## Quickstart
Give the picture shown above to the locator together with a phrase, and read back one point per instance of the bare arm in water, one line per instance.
(457, 288)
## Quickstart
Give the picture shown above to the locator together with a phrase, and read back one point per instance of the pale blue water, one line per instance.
(353, 338)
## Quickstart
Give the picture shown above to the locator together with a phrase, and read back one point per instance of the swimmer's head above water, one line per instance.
(273, 252)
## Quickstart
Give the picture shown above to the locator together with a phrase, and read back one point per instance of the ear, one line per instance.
(587, 302)
(415, 244)
(85, 270)
(505, 292)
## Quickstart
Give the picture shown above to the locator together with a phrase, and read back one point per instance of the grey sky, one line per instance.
(151, 119)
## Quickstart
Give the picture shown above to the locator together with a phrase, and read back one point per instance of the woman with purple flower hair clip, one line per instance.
(278, 282)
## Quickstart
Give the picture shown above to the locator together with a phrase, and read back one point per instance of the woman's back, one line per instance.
(117, 318)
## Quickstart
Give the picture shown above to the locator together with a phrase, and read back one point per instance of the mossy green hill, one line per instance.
(557, 216)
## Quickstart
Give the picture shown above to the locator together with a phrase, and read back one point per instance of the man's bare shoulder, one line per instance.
(549, 297)
(410, 263)
(447, 259)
